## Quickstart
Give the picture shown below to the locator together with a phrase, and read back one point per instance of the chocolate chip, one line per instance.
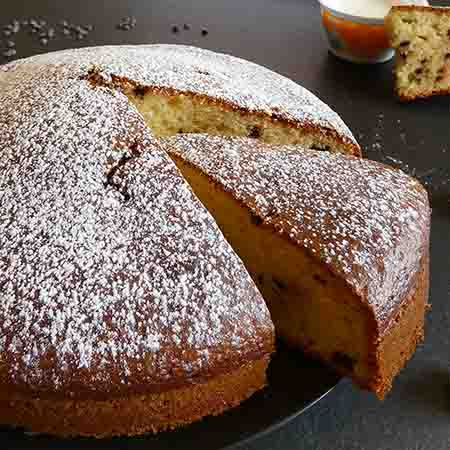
(186, 26)
(319, 279)
(9, 53)
(140, 91)
(204, 32)
(15, 26)
(254, 132)
(255, 218)
(278, 284)
(320, 147)
(260, 278)
(175, 29)
(341, 360)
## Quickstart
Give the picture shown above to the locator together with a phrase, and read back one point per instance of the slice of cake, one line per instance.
(421, 37)
(337, 245)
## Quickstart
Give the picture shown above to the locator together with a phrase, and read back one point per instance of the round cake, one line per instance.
(123, 308)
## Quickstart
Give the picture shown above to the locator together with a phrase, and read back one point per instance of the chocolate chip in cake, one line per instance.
(204, 32)
(140, 91)
(255, 132)
(279, 285)
(255, 219)
(320, 148)
(341, 360)
(186, 26)
(319, 279)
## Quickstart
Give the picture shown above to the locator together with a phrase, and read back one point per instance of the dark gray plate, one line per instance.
(295, 384)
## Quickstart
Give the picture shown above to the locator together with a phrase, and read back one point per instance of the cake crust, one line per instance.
(102, 290)
(134, 413)
(363, 223)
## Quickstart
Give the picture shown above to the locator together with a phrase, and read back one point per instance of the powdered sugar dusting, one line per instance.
(223, 77)
(367, 222)
(112, 274)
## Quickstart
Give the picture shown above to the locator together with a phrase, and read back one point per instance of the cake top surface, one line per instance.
(365, 221)
(240, 83)
(102, 287)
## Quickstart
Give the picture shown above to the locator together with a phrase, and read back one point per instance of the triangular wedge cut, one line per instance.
(337, 245)
(421, 37)
(110, 323)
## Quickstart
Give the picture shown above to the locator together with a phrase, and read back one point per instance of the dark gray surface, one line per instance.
(285, 35)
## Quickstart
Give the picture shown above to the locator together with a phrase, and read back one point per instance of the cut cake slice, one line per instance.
(337, 245)
(421, 37)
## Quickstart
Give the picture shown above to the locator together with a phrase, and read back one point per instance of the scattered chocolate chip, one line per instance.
(175, 29)
(14, 26)
(34, 23)
(9, 53)
(204, 32)
(186, 26)
(126, 24)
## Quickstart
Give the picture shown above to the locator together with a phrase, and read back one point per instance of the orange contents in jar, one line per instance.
(366, 40)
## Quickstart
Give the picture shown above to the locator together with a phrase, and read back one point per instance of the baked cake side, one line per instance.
(337, 245)
(421, 37)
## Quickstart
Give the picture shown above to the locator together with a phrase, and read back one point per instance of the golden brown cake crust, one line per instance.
(135, 413)
(366, 222)
(103, 292)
